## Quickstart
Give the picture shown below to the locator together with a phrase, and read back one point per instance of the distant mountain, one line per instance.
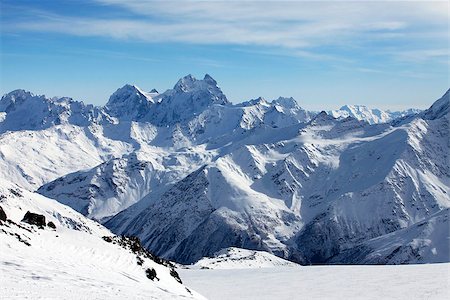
(372, 116)
(22, 110)
(191, 174)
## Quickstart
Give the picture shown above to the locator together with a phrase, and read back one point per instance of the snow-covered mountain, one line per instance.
(43, 139)
(191, 174)
(71, 255)
(22, 110)
(371, 115)
(279, 190)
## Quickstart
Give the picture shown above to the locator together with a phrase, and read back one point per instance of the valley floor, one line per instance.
(323, 282)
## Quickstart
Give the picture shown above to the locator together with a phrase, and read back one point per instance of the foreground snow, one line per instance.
(324, 282)
(72, 261)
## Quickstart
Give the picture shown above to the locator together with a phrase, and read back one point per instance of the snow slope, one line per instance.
(236, 258)
(426, 241)
(73, 259)
(31, 158)
(324, 282)
(123, 182)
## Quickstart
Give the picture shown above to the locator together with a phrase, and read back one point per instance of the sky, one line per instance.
(325, 54)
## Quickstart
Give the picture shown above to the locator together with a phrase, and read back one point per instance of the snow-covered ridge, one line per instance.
(236, 258)
(189, 98)
(23, 110)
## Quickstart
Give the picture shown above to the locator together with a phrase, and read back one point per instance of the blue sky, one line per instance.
(325, 54)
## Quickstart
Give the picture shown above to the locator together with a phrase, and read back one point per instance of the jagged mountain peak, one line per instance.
(18, 93)
(188, 98)
(287, 102)
(185, 83)
(258, 101)
(353, 106)
(23, 110)
(129, 102)
(190, 84)
(209, 79)
(16, 97)
(322, 118)
(126, 92)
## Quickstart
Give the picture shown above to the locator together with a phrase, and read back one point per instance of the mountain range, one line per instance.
(190, 173)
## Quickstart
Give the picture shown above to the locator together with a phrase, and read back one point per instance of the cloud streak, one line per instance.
(299, 27)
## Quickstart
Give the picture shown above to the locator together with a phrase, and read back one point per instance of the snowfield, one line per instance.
(323, 282)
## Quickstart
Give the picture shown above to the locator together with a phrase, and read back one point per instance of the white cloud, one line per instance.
(297, 26)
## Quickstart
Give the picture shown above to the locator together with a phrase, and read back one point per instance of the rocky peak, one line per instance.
(16, 97)
(209, 79)
(185, 84)
(322, 118)
(257, 101)
(188, 98)
(199, 88)
(285, 102)
(129, 102)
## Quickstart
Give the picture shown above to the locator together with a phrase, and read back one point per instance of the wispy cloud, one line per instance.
(296, 27)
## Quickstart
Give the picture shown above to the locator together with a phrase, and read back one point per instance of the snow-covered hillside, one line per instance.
(74, 257)
(237, 258)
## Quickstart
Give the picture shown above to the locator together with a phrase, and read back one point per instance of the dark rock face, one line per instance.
(175, 275)
(151, 273)
(2, 214)
(34, 219)
(133, 244)
(51, 225)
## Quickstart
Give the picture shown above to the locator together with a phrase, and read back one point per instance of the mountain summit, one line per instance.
(129, 103)
(188, 98)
